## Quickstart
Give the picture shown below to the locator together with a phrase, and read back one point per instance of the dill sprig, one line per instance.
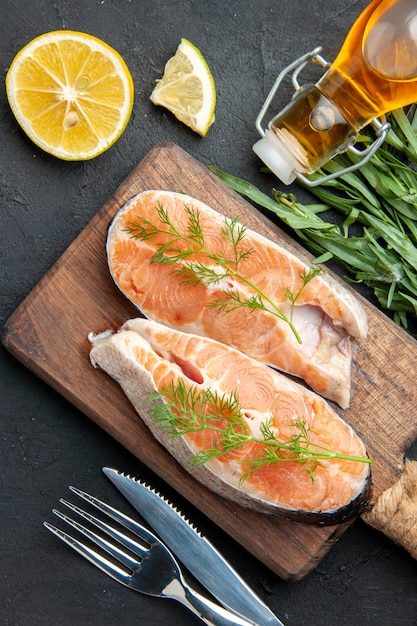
(180, 410)
(178, 250)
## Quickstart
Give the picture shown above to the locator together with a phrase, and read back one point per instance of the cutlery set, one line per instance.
(145, 562)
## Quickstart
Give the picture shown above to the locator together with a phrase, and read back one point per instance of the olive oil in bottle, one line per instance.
(374, 72)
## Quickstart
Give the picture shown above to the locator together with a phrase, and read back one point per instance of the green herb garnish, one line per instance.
(377, 242)
(179, 249)
(181, 410)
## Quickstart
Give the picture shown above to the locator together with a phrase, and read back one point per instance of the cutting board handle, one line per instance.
(395, 511)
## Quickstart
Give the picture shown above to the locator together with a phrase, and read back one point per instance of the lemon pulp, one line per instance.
(187, 88)
(71, 93)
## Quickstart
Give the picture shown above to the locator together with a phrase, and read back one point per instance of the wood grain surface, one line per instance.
(48, 334)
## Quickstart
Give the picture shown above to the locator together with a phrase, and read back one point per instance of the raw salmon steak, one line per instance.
(217, 390)
(174, 258)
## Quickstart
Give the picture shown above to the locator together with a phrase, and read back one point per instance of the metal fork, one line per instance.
(148, 565)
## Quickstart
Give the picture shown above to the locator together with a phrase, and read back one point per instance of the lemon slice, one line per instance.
(187, 88)
(71, 93)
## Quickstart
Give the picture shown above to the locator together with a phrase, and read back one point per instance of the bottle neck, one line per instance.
(311, 130)
(353, 94)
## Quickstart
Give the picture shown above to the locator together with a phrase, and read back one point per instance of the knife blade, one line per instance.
(195, 551)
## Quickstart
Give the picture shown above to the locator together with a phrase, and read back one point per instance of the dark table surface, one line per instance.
(46, 444)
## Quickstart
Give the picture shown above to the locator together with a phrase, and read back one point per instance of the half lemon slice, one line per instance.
(187, 88)
(71, 93)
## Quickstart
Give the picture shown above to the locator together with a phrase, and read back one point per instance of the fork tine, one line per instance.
(119, 554)
(117, 516)
(134, 546)
(91, 555)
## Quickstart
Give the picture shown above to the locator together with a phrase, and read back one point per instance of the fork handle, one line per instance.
(209, 612)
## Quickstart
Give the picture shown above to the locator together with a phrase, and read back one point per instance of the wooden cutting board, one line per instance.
(48, 333)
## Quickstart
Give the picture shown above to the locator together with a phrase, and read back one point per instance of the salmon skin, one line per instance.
(325, 313)
(145, 357)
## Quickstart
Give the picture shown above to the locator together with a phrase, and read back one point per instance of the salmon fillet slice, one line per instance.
(325, 314)
(144, 357)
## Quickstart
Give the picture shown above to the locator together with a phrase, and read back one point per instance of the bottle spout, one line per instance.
(271, 152)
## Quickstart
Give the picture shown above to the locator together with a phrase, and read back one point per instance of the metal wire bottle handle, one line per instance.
(381, 126)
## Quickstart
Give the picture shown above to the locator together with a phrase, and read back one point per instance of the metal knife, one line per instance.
(199, 556)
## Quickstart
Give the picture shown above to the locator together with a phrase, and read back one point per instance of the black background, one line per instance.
(46, 443)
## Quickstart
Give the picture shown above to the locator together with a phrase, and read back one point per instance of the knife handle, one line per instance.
(209, 612)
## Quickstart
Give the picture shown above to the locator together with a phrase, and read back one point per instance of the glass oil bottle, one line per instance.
(375, 72)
